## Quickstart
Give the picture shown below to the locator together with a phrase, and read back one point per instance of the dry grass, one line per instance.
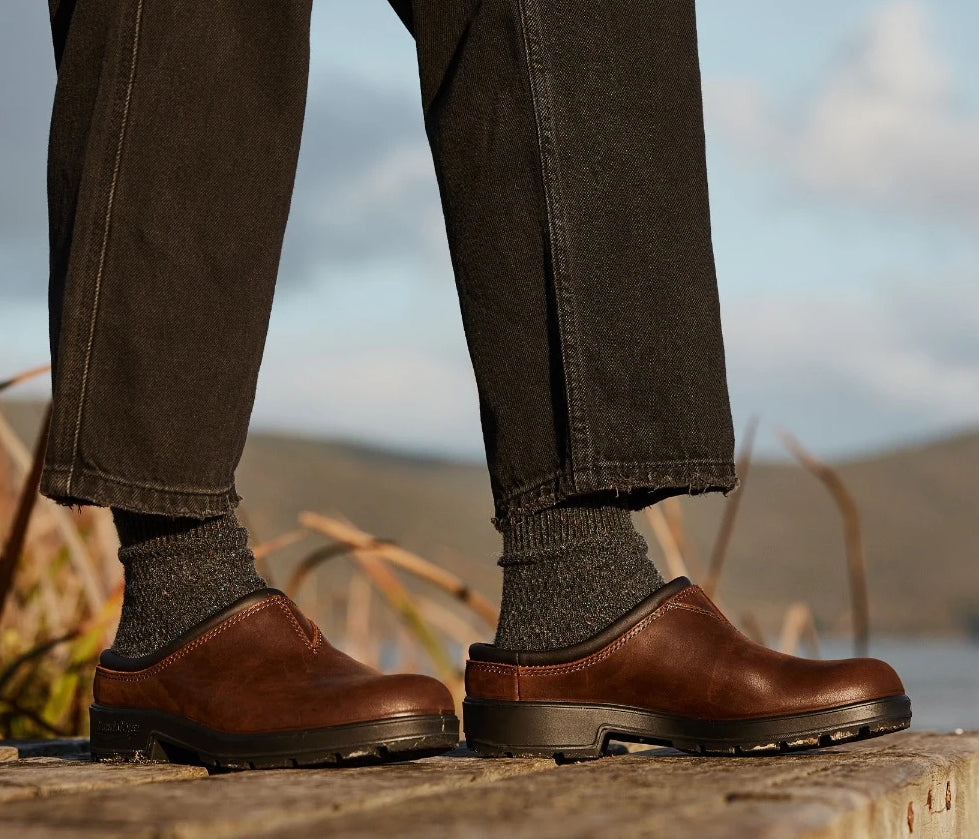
(798, 625)
(852, 535)
(723, 541)
(61, 590)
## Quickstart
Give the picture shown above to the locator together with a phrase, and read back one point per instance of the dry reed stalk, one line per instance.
(262, 551)
(358, 540)
(853, 540)
(670, 538)
(18, 453)
(18, 710)
(798, 625)
(407, 651)
(312, 561)
(58, 605)
(52, 600)
(719, 553)
(46, 685)
(101, 621)
(392, 590)
(675, 565)
(401, 603)
(13, 546)
(751, 626)
(10, 669)
(455, 629)
(673, 513)
(8, 494)
(106, 546)
(23, 377)
(357, 632)
(448, 622)
(82, 561)
(78, 554)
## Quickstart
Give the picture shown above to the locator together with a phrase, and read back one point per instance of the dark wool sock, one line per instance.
(179, 572)
(569, 572)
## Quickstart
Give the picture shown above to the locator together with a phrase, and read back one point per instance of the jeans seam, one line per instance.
(110, 202)
(526, 488)
(126, 482)
(542, 102)
(685, 476)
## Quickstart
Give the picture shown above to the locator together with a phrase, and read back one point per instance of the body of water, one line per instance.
(940, 675)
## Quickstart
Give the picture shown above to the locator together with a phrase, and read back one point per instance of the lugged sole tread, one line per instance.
(383, 753)
(506, 718)
(136, 736)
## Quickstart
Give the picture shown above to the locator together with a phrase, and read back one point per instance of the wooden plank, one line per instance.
(237, 804)
(44, 777)
(880, 788)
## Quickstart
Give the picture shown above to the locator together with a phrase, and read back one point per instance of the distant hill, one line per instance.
(919, 510)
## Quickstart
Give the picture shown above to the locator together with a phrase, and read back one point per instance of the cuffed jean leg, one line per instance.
(174, 139)
(568, 142)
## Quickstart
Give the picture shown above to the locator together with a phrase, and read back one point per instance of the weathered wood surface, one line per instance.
(44, 777)
(906, 785)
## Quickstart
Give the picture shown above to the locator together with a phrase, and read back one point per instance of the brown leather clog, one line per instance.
(259, 686)
(673, 671)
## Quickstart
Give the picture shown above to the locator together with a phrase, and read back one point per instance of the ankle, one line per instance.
(568, 572)
(178, 574)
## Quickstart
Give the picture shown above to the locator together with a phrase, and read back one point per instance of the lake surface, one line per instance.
(941, 676)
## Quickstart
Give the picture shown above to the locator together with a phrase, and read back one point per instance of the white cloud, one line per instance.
(854, 370)
(391, 202)
(407, 397)
(884, 128)
(366, 191)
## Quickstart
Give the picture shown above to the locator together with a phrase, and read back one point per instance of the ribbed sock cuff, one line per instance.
(134, 528)
(560, 526)
(220, 535)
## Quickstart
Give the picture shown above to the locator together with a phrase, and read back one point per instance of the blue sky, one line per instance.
(843, 147)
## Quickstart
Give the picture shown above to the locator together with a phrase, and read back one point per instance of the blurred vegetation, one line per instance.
(60, 592)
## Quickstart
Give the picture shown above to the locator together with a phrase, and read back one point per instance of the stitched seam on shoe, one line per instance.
(299, 630)
(503, 670)
(110, 203)
(119, 676)
(601, 655)
(698, 610)
(594, 658)
(543, 669)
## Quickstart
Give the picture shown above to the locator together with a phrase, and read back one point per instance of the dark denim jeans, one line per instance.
(569, 146)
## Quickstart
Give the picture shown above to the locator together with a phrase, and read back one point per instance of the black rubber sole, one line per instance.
(131, 735)
(570, 731)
